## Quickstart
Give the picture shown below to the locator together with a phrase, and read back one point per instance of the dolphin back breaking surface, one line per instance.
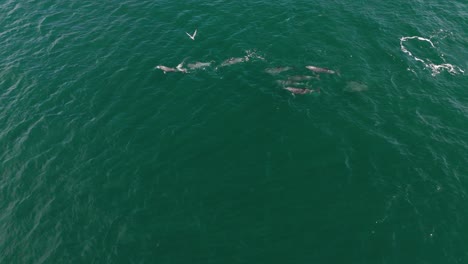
(199, 65)
(295, 90)
(277, 70)
(320, 70)
(165, 68)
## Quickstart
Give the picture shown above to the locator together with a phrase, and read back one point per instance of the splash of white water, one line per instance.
(435, 68)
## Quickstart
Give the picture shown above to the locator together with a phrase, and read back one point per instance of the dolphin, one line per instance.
(199, 65)
(277, 70)
(320, 70)
(232, 61)
(301, 77)
(288, 82)
(295, 90)
(166, 69)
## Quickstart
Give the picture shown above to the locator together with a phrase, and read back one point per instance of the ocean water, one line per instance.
(106, 159)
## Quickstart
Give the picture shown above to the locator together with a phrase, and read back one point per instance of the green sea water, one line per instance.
(105, 159)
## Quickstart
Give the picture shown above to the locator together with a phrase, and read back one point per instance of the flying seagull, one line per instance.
(192, 36)
(179, 67)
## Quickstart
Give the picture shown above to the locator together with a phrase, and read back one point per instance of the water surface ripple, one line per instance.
(108, 160)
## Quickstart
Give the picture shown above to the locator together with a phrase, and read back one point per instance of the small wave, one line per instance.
(435, 68)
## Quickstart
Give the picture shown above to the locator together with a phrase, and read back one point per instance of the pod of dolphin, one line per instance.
(290, 84)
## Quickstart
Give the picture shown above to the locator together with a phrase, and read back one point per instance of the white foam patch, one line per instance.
(253, 54)
(435, 68)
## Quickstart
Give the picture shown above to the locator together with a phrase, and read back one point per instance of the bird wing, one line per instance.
(195, 33)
